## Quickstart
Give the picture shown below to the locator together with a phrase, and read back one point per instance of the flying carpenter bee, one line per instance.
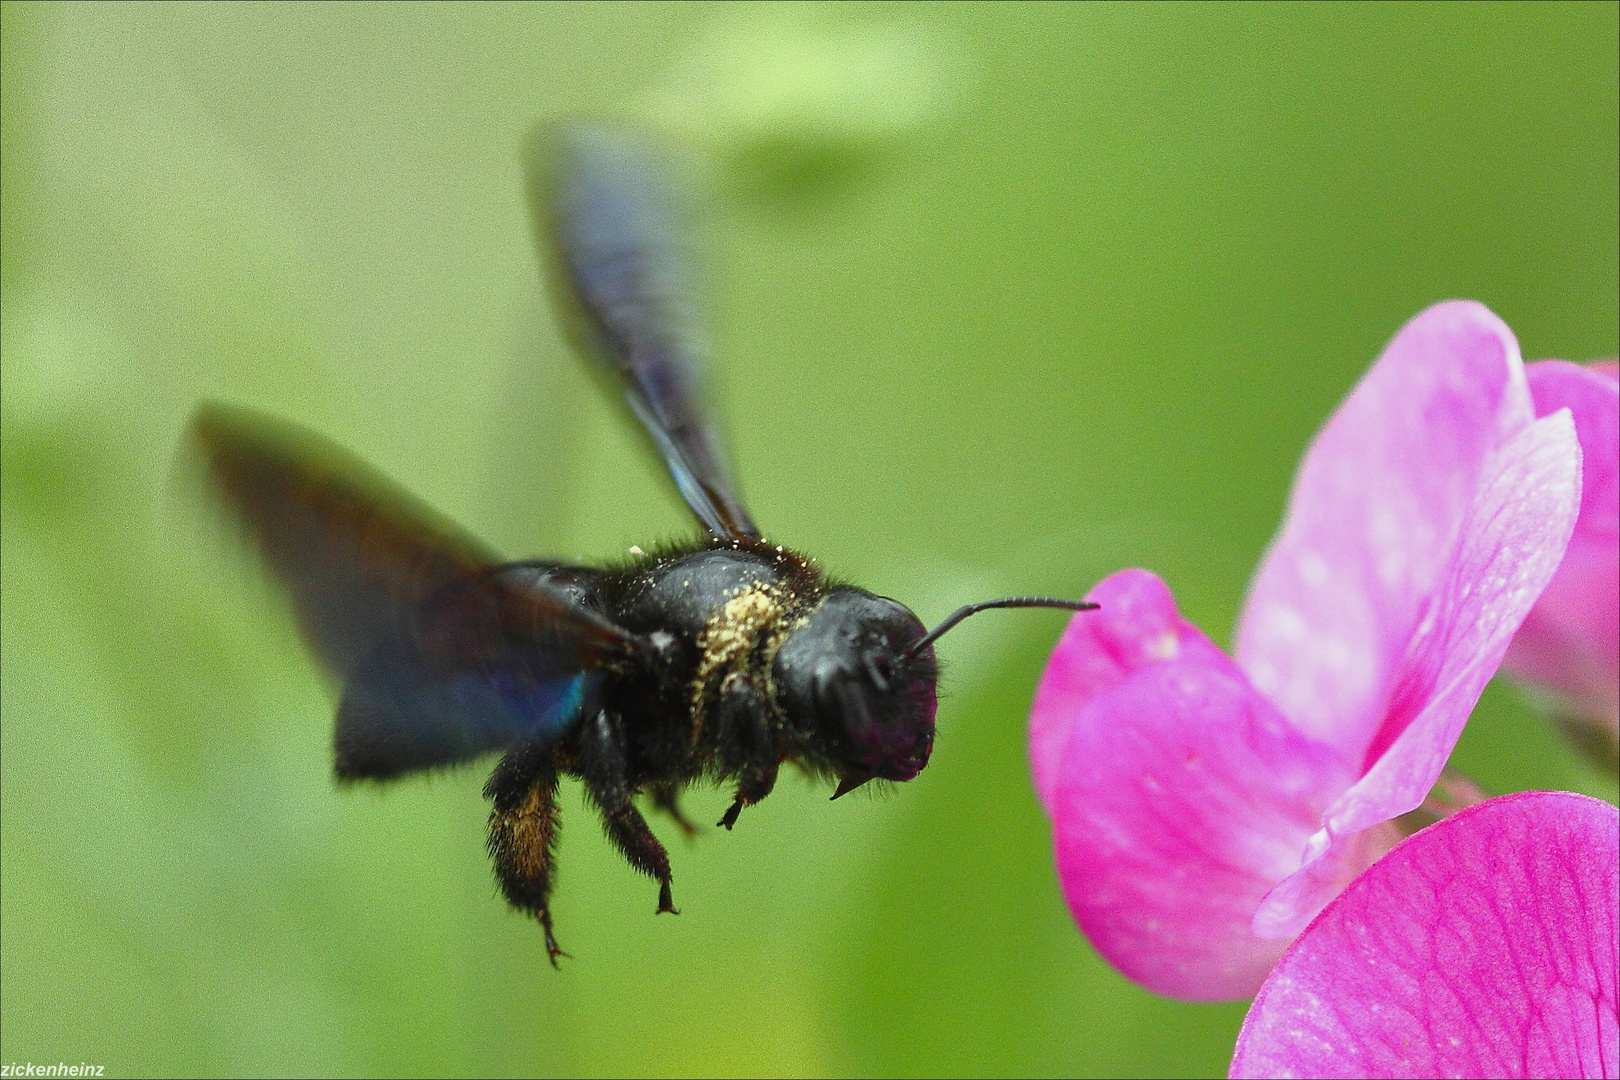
(719, 658)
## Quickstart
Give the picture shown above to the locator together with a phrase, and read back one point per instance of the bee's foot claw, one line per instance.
(553, 951)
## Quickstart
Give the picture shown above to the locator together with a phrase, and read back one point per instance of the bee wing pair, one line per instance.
(442, 659)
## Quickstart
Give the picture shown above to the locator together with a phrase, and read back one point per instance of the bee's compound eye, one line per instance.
(880, 668)
(827, 699)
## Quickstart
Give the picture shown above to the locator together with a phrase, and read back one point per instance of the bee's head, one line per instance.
(857, 680)
(851, 679)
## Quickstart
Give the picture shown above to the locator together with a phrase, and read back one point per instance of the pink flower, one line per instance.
(1484, 945)
(1569, 647)
(1205, 809)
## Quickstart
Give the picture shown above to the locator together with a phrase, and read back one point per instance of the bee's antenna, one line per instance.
(985, 605)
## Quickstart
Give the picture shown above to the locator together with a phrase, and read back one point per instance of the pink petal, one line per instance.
(1513, 539)
(1376, 507)
(1570, 644)
(1592, 395)
(1137, 625)
(1180, 795)
(1485, 945)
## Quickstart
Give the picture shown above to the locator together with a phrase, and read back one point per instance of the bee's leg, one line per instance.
(602, 766)
(629, 832)
(666, 798)
(523, 832)
(748, 745)
(756, 783)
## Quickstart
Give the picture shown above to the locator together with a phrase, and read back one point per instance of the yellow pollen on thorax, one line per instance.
(732, 634)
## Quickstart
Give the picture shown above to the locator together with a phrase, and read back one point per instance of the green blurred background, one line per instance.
(1005, 298)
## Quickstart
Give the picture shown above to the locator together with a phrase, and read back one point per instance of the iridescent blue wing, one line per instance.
(602, 210)
(432, 696)
(442, 657)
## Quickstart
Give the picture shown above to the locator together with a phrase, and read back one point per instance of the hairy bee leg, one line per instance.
(752, 788)
(523, 832)
(602, 767)
(629, 832)
(666, 798)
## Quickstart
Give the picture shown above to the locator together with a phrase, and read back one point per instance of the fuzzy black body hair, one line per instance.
(699, 704)
(702, 704)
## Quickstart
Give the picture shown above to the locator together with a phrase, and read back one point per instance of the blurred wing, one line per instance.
(441, 659)
(602, 211)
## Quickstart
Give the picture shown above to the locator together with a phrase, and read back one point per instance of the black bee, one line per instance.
(720, 658)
